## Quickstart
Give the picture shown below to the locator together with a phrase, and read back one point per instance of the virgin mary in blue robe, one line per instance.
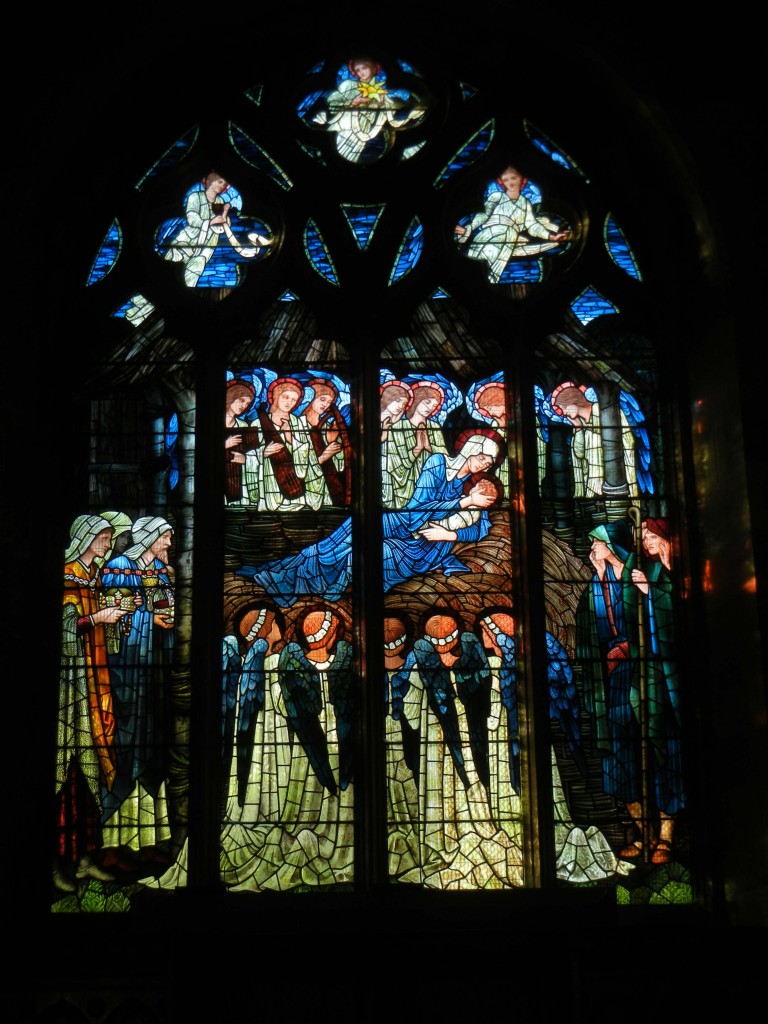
(415, 539)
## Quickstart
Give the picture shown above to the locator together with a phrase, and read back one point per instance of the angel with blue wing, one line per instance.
(323, 416)
(583, 854)
(459, 839)
(416, 435)
(635, 417)
(209, 207)
(403, 696)
(319, 687)
(262, 753)
(564, 705)
(292, 823)
(610, 447)
(231, 666)
(508, 227)
(496, 628)
(363, 112)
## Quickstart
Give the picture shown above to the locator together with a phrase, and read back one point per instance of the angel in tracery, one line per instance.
(363, 112)
(208, 212)
(508, 226)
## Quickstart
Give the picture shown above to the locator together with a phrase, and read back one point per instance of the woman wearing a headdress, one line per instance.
(87, 762)
(135, 812)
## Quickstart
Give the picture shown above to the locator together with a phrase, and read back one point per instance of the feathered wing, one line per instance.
(473, 685)
(442, 700)
(400, 685)
(250, 702)
(638, 425)
(564, 699)
(542, 415)
(231, 664)
(508, 690)
(343, 694)
(300, 685)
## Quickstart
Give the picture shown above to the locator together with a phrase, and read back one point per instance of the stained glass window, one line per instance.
(442, 534)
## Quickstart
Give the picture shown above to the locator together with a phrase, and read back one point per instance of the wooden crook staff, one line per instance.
(635, 517)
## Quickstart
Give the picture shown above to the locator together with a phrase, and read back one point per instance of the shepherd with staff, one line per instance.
(654, 694)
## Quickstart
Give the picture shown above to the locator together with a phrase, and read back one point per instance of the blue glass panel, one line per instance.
(288, 296)
(440, 293)
(410, 250)
(317, 253)
(172, 155)
(308, 102)
(474, 148)
(107, 255)
(362, 220)
(467, 91)
(519, 271)
(554, 152)
(532, 192)
(619, 249)
(257, 157)
(171, 449)
(591, 304)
